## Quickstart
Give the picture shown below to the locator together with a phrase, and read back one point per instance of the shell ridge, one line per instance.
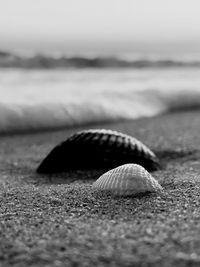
(111, 180)
(102, 183)
(105, 182)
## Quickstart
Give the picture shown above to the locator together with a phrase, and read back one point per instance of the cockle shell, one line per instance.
(126, 180)
(91, 149)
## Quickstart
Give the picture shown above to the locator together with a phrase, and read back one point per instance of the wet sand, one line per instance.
(59, 221)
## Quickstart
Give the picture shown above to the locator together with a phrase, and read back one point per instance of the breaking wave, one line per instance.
(41, 100)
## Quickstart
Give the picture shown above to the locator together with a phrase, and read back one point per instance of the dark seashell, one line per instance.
(92, 149)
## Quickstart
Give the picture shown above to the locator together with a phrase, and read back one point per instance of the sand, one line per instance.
(59, 221)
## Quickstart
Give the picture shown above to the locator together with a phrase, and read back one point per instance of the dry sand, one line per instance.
(60, 221)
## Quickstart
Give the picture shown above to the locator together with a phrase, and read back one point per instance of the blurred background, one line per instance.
(64, 63)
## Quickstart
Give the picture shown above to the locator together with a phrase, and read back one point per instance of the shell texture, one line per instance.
(98, 148)
(127, 180)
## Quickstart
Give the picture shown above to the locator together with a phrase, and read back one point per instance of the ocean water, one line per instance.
(48, 99)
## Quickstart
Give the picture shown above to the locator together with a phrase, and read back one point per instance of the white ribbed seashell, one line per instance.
(126, 180)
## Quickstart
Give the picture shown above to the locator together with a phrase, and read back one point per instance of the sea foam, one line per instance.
(50, 99)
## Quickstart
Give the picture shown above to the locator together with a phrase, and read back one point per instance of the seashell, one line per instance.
(91, 149)
(126, 180)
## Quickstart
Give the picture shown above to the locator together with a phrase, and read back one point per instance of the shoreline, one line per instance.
(45, 219)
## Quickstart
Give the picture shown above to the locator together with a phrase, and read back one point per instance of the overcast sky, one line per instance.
(100, 25)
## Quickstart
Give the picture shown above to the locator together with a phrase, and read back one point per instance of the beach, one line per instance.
(127, 73)
(59, 220)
